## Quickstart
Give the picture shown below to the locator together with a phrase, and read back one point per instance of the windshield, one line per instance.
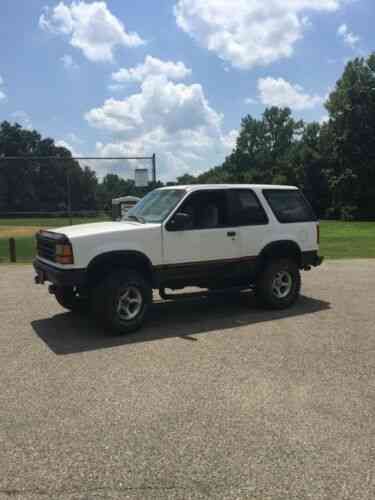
(157, 205)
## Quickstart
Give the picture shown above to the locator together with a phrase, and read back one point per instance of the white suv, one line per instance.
(207, 236)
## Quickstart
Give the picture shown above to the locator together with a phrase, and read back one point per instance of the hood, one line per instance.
(98, 228)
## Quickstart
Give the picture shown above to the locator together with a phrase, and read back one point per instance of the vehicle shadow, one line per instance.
(67, 333)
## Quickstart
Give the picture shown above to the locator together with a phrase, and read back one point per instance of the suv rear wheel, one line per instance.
(122, 301)
(279, 285)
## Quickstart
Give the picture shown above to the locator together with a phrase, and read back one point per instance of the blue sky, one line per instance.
(173, 77)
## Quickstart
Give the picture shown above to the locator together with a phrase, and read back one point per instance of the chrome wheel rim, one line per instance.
(282, 284)
(129, 304)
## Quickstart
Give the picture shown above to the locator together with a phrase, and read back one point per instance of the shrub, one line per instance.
(348, 213)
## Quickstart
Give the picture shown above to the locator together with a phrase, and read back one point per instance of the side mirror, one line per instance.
(179, 221)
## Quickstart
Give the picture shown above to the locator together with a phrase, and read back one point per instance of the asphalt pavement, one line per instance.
(215, 398)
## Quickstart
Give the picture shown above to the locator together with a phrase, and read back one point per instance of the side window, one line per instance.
(207, 210)
(289, 205)
(245, 209)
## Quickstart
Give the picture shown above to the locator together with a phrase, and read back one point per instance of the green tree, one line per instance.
(186, 179)
(262, 147)
(40, 185)
(113, 186)
(306, 167)
(351, 132)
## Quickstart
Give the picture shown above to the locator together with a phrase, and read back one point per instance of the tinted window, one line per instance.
(289, 205)
(245, 209)
(208, 209)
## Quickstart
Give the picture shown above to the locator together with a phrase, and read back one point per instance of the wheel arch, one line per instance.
(279, 250)
(104, 264)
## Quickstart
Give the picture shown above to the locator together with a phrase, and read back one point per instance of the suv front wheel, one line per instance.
(69, 298)
(279, 284)
(122, 301)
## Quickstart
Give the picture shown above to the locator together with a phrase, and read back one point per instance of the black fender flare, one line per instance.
(279, 249)
(119, 258)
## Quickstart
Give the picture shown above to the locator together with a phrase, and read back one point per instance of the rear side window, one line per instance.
(289, 205)
(244, 209)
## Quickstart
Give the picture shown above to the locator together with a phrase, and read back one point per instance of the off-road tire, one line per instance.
(106, 299)
(274, 293)
(69, 299)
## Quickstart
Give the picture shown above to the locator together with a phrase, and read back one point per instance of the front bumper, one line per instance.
(311, 259)
(57, 276)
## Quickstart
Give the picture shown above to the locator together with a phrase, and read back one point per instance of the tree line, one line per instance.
(35, 185)
(332, 162)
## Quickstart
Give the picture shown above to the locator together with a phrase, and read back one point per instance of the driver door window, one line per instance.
(207, 210)
(205, 237)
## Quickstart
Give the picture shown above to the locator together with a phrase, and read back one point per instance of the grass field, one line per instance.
(339, 240)
(347, 240)
(23, 231)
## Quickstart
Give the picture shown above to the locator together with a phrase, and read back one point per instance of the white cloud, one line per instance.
(349, 38)
(68, 62)
(115, 87)
(23, 119)
(324, 119)
(2, 93)
(91, 28)
(230, 139)
(279, 92)
(174, 120)
(186, 152)
(72, 137)
(250, 100)
(175, 106)
(152, 67)
(249, 33)
(65, 144)
(76, 150)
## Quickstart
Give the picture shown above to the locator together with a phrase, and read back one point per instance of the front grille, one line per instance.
(46, 247)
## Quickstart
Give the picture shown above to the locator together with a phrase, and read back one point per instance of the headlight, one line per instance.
(54, 247)
(64, 253)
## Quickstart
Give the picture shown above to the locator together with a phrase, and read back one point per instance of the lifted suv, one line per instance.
(212, 237)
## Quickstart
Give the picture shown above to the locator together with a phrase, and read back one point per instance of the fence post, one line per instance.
(12, 250)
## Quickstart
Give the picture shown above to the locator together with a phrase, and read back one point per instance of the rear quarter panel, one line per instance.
(302, 233)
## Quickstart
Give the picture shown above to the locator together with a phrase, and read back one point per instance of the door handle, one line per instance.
(231, 234)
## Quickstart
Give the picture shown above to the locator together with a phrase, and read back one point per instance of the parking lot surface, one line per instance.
(215, 398)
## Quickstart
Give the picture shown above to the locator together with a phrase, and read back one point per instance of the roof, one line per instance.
(256, 187)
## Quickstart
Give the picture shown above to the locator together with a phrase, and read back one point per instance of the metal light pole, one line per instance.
(154, 168)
